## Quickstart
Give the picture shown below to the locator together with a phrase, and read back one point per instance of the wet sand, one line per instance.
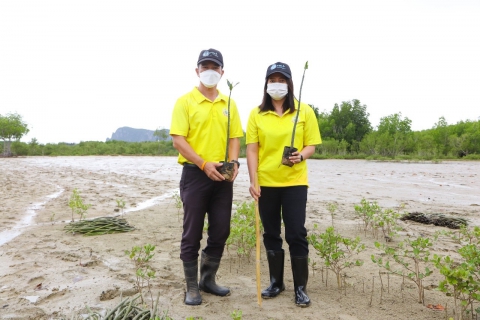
(75, 270)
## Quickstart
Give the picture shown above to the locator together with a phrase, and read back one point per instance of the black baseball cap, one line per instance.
(211, 55)
(280, 67)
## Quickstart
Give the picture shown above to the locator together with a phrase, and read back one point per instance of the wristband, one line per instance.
(203, 165)
(301, 158)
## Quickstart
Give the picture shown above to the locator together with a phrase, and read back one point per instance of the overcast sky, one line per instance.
(78, 70)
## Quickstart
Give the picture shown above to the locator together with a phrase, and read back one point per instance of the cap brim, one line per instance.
(284, 73)
(210, 59)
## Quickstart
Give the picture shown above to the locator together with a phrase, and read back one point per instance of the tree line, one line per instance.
(346, 133)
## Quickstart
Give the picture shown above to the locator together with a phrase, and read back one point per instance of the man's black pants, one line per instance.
(201, 195)
(289, 203)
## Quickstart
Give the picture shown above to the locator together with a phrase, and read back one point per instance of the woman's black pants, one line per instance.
(290, 204)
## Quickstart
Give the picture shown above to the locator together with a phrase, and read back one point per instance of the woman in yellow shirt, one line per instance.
(283, 189)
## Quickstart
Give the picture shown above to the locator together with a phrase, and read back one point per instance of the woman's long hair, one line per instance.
(288, 104)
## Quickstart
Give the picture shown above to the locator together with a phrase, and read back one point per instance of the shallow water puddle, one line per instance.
(9, 234)
(151, 202)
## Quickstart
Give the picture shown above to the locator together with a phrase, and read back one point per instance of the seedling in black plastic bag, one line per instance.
(289, 150)
(228, 168)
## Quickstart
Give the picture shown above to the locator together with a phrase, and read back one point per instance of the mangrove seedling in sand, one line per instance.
(76, 204)
(336, 251)
(411, 260)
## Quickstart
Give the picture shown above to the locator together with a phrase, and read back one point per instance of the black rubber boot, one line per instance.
(300, 279)
(192, 296)
(208, 271)
(275, 266)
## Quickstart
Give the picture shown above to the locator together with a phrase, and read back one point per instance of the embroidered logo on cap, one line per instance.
(210, 53)
(280, 66)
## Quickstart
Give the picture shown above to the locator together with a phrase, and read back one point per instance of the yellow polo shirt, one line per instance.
(204, 124)
(273, 132)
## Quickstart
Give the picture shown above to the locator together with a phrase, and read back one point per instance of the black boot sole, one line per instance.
(303, 305)
(216, 294)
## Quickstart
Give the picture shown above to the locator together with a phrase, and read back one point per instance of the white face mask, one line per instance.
(277, 90)
(210, 78)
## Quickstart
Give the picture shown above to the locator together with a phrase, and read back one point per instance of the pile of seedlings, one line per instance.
(98, 226)
(436, 219)
(129, 309)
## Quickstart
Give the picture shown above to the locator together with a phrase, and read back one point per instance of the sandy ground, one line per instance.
(74, 270)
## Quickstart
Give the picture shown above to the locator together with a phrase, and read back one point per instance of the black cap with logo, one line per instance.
(211, 55)
(280, 67)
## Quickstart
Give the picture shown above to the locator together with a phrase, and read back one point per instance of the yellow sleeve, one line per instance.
(252, 129)
(312, 132)
(180, 124)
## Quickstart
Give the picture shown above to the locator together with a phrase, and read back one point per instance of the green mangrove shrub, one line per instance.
(336, 251)
(377, 220)
(242, 230)
(76, 204)
(366, 212)
(411, 259)
(462, 276)
(144, 272)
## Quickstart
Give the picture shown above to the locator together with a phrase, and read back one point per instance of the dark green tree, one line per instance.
(394, 135)
(441, 135)
(349, 122)
(161, 134)
(465, 138)
(12, 127)
(316, 111)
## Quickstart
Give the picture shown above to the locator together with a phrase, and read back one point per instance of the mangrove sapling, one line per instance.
(366, 211)
(242, 230)
(464, 235)
(386, 221)
(228, 168)
(236, 315)
(332, 207)
(289, 150)
(337, 251)
(412, 256)
(120, 205)
(144, 273)
(76, 204)
(462, 278)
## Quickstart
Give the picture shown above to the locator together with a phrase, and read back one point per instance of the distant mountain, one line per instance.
(138, 135)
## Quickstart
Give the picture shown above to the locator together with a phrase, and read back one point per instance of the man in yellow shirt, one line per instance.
(199, 133)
